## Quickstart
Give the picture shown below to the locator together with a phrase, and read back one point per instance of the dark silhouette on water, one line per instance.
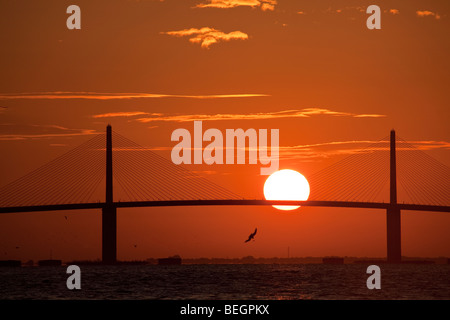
(10, 263)
(50, 263)
(174, 260)
(251, 236)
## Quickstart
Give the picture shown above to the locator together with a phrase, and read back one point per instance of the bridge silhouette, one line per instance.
(71, 181)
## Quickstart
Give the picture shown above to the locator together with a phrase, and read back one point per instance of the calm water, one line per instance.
(227, 282)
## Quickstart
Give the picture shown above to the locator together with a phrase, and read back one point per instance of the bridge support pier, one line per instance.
(109, 234)
(109, 212)
(393, 226)
(394, 247)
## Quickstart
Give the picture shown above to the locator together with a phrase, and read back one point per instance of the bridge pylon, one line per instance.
(393, 214)
(109, 211)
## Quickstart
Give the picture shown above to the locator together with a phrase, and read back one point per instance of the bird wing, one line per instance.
(252, 235)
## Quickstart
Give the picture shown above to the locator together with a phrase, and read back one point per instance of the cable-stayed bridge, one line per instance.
(145, 179)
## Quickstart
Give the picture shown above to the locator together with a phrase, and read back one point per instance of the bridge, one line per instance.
(71, 180)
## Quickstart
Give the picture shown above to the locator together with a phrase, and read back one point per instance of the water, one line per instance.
(228, 282)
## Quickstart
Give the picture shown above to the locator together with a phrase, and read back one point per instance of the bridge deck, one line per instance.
(243, 202)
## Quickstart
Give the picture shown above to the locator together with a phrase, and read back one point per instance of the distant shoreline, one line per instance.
(253, 260)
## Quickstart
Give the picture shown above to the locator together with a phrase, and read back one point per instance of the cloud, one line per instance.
(303, 113)
(425, 145)
(320, 111)
(23, 132)
(313, 152)
(207, 36)
(268, 5)
(427, 13)
(326, 150)
(113, 96)
(265, 5)
(225, 4)
(58, 145)
(347, 8)
(368, 116)
(121, 114)
(209, 172)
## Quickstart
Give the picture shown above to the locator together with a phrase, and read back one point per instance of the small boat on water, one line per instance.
(333, 260)
(49, 263)
(10, 263)
(174, 260)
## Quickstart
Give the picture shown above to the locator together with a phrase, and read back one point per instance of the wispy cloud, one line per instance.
(303, 113)
(331, 10)
(207, 36)
(394, 11)
(312, 152)
(318, 151)
(209, 172)
(427, 145)
(321, 111)
(22, 132)
(58, 145)
(352, 10)
(426, 13)
(326, 150)
(122, 114)
(265, 5)
(113, 96)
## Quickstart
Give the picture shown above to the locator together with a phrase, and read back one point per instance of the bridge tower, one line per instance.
(109, 211)
(394, 250)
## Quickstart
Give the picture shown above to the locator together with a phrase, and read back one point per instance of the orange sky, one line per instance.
(308, 68)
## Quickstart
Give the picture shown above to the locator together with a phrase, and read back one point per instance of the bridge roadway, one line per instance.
(241, 202)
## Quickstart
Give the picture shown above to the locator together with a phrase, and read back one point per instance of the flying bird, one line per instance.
(251, 236)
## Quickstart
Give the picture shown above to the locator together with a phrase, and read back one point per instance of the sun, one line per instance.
(286, 184)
